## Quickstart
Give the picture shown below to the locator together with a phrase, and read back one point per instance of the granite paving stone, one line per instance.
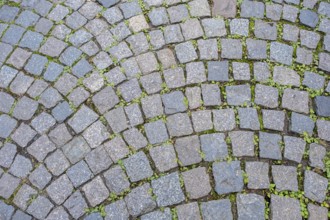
(284, 208)
(95, 191)
(216, 209)
(250, 206)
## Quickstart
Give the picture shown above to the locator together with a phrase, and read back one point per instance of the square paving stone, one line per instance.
(265, 30)
(7, 74)
(231, 49)
(57, 163)
(53, 47)
(95, 191)
(185, 52)
(242, 143)
(238, 95)
(131, 67)
(281, 53)
(195, 73)
(130, 90)
(41, 147)
(188, 211)
(79, 173)
(6, 102)
(43, 122)
(269, 145)
(273, 120)
(31, 40)
(105, 99)
(36, 64)
(274, 11)
(135, 138)
(317, 212)
(294, 148)
(13, 35)
(19, 57)
(214, 27)
(224, 119)
(113, 15)
(211, 95)
(40, 177)
(152, 106)
(315, 186)
(82, 119)
(250, 206)
(60, 189)
(241, 71)
(134, 114)
(138, 23)
(179, 124)
(191, 29)
(194, 98)
(214, 146)
(301, 123)
(286, 76)
(324, 61)
(7, 125)
(239, 27)
(290, 32)
(6, 211)
(94, 82)
(6, 50)
(139, 201)
(80, 37)
(138, 167)
(62, 111)
(252, 9)
(8, 185)
(218, 71)
(21, 84)
(53, 71)
(98, 160)
(309, 39)
(174, 102)
(115, 76)
(8, 13)
(216, 209)
(40, 207)
(21, 166)
(58, 13)
(248, 118)
(117, 209)
(76, 205)
(158, 16)
(50, 97)
(174, 77)
(156, 39)
(178, 13)
(90, 10)
(116, 118)
(166, 58)
(66, 83)
(188, 150)
(7, 154)
(257, 173)
(23, 196)
(172, 34)
(304, 56)
(164, 157)
(285, 177)
(313, 80)
(116, 180)
(290, 13)
(322, 105)
(96, 134)
(202, 120)
(76, 149)
(256, 49)
(284, 208)
(167, 190)
(261, 71)
(23, 135)
(266, 96)
(194, 179)
(156, 132)
(81, 68)
(295, 100)
(316, 155)
(228, 177)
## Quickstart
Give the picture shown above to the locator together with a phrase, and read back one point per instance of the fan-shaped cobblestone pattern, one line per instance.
(164, 109)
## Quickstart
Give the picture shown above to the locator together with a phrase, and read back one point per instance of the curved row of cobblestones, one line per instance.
(164, 109)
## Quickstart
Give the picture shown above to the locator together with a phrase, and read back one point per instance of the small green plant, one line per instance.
(310, 139)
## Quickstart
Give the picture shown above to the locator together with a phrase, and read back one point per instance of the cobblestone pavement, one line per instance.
(164, 109)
